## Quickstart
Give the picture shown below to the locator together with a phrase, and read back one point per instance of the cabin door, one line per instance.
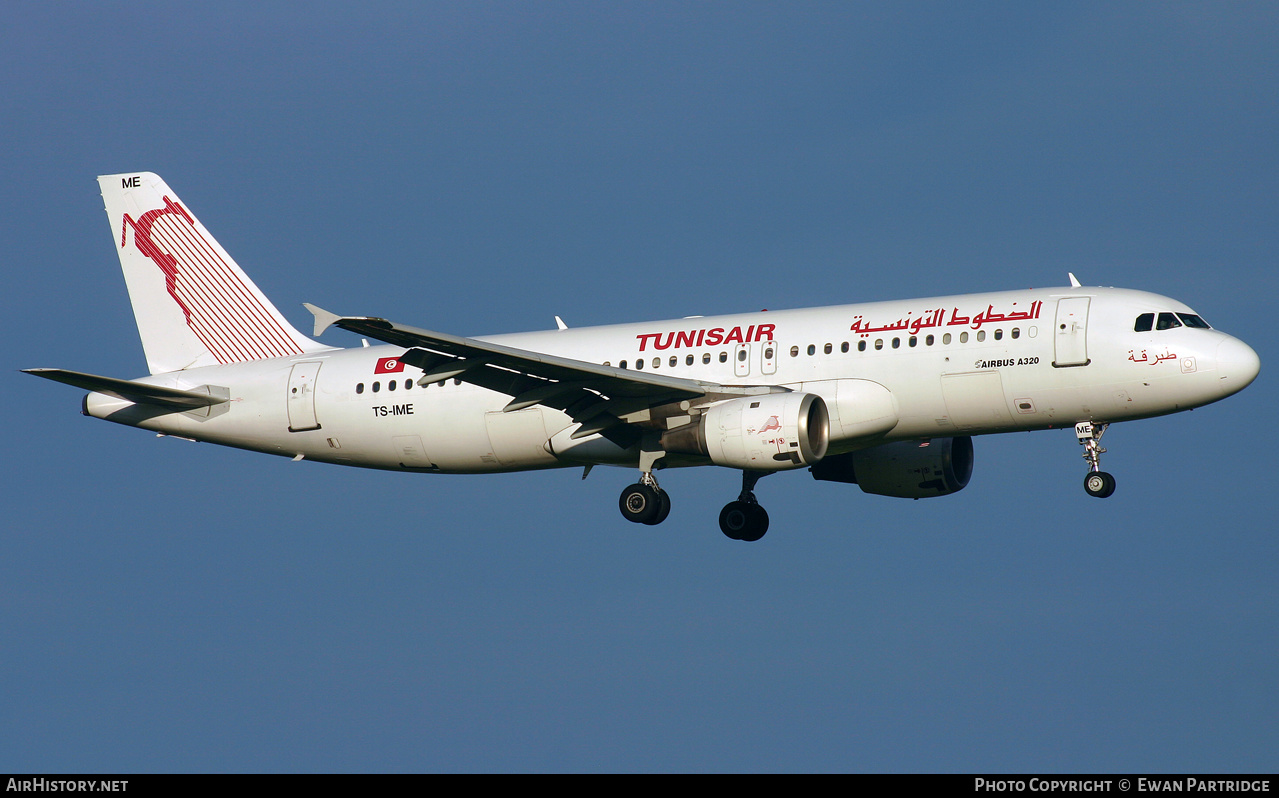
(1070, 333)
(302, 396)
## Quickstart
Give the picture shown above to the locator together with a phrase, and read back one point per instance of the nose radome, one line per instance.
(1237, 364)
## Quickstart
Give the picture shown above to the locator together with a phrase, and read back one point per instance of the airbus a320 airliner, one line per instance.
(884, 395)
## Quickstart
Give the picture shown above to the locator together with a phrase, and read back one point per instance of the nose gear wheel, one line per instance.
(1097, 483)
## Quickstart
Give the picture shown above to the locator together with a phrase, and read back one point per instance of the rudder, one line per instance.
(193, 304)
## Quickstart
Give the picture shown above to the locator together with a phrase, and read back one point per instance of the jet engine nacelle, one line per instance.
(769, 432)
(906, 469)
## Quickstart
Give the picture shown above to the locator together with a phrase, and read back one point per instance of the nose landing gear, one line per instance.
(1097, 483)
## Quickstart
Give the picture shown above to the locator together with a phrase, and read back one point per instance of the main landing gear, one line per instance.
(646, 503)
(745, 519)
(1098, 483)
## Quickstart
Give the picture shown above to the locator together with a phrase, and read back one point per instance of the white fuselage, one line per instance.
(962, 365)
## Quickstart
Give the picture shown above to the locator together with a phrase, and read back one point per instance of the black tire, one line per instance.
(1099, 484)
(733, 519)
(639, 504)
(663, 508)
(743, 521)
(758, 524)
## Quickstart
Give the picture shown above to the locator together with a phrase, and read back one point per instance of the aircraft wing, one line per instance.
(600, 398)
(137, 392)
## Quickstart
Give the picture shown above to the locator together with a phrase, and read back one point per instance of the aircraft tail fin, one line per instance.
(193, 304)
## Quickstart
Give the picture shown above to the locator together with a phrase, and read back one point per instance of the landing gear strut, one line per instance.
(1098, 483)
(745, 519)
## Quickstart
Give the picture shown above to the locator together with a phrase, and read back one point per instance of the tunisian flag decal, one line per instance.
(388, 365)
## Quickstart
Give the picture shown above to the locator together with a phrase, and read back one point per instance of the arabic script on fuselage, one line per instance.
(1153, 359)
(929, 319)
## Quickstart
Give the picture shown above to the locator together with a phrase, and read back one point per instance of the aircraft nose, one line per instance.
(1237, 364)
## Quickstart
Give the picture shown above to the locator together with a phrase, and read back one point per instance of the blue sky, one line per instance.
(481, 167)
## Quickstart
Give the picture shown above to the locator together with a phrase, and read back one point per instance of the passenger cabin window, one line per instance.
(1145, 322)
(1167, 321)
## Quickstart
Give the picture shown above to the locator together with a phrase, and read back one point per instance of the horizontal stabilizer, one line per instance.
(128, 390)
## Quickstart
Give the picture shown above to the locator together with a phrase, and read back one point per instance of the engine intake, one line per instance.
(770, 432)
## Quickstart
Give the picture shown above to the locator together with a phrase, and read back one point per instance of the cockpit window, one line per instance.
(1191, 320)
(1168, 321)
